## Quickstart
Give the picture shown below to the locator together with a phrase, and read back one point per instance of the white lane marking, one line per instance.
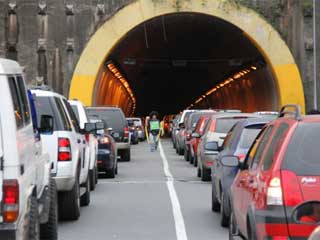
(177, 213)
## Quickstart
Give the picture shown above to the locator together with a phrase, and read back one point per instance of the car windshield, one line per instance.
(303, 152)
(248, 135)
(223, 125)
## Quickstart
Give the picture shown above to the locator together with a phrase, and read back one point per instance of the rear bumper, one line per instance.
(65, 183)
(122, 145)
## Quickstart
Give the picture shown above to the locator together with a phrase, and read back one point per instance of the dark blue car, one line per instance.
(236, 143)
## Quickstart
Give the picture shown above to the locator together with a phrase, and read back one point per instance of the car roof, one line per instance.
(254, 121)
(46, 93)
(106, 108)
(226, 115)
(9, 67)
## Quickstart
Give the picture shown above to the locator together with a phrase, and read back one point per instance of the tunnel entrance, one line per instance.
(172, 60)
(187, 59)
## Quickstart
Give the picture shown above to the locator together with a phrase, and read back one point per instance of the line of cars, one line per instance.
(264, 169)
(51, 153)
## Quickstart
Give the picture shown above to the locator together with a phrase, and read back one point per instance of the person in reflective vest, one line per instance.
(153, 131)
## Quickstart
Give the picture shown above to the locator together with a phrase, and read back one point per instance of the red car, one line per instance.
(195, 138)
(281, 170)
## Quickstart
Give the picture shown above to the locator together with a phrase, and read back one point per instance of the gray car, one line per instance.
(215, 133)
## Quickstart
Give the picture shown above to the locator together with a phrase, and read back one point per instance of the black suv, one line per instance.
(118, 126)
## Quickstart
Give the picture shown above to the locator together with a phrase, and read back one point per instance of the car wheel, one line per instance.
(34, 225)
(85, 198)
(111, 173)
(69, 203)
(92, 176)
(224, 221)
(181, 151)
(96, 172)
(198, 172)
(251, 231)
(205, 174)
(215, 205)
(126, 155)
(49, 230)
(116, 170)
(234, 233)
(185, 155)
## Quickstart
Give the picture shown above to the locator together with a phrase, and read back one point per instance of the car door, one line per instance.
(242, 189)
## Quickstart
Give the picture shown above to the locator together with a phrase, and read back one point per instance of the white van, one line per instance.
(27, 193)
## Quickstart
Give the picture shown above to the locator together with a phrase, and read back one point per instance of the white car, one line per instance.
(68, 151)
(27, 192)
(92, 142)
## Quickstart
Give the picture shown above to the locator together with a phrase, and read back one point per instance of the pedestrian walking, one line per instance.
(153, 130)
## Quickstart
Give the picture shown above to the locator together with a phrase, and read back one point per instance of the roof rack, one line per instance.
(296, 113)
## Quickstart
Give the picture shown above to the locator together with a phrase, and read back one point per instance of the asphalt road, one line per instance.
(140, 205)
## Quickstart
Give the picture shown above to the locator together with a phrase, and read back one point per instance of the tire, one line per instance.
(111, 173)
(126, 155)
(69, 203)
(205, 175)
(181, 151)
(92, 176)
(224, 221)
(49, 230)
(234, 233)
(85, 198)
(185, 155)
(215, 205)
(116, 170)
(198, 172)
(252, 235)
(96, 172)
(34, 225)
(191, 159)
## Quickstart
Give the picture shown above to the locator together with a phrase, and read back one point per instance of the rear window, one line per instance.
(53, 107)
(223, 125)
(248, 135)
(303, 153)
(113, 117)
(194, 118)
(76, 112)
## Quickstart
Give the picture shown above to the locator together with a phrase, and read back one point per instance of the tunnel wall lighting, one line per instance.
(117, 74)
(235, 77)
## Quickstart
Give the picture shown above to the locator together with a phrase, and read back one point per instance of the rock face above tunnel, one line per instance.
(48, 37)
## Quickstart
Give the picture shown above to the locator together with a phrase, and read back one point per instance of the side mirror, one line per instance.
(307, 213)
(230, 161)
(181, 125)
(89, 127)
(195, 135)
(99, 126)
(46, 124)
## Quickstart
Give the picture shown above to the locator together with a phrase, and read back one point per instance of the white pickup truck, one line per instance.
(28, 196)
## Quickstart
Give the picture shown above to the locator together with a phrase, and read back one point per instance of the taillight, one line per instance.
(87, 137)
(291, 188)
(126, 132)
(274, 191)
(64, 149)
(10, 200)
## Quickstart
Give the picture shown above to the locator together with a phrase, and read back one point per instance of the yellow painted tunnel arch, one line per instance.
(261, 34)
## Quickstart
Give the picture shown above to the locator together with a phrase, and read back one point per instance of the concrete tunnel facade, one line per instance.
(147, 56)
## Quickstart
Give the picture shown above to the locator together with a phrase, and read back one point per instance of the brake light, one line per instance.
(10, 200)
(274, 191)
(87, 137)
(213, 126)
(64, 149)
(126, 132)
(291, 188)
